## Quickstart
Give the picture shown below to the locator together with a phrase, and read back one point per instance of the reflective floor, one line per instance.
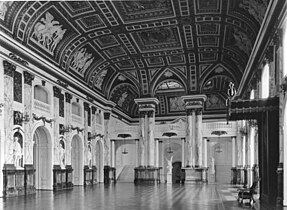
(127, 196)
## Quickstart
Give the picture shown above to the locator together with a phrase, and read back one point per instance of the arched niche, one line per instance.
(77, 160)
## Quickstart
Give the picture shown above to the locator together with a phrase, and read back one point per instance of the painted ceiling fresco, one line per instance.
(128, 49)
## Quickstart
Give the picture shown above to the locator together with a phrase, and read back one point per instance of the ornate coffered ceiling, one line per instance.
(125, 49)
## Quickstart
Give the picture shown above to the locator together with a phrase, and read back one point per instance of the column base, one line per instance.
(147, 175)
(29, 179)
(169, 178)
(240, 175)
(109, 175)
(13, 181)
(88, 176)
(233, 175)
(279, 199)
(195, 175)
(60, 178)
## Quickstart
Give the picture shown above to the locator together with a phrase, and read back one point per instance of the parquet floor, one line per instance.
(127, 196)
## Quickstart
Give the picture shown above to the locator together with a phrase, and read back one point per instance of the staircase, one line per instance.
(127, 174)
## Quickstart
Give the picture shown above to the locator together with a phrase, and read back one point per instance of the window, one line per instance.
(41, 94)
(98, 118)
(252, 94)
(76, 109)
(169, 85)
(265, 82)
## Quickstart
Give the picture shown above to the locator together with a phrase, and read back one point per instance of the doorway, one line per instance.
(77, 160)
(42, 159)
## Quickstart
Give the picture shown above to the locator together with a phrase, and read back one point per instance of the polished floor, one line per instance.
(127, 196)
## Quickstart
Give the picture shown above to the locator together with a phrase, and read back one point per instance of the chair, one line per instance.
(247, 193)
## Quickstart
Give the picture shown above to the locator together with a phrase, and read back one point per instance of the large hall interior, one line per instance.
(143, 104)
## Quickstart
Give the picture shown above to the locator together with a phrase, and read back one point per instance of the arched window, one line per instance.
(284, 45)
(252, 94)
(76, 109)
(265, 82)
(169, 85)
(41, 94)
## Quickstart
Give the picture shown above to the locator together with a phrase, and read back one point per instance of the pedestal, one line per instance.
(147, 175)
(109, 175)
(279, 199)
(29, 179)
(233, 175)
(9, 179)
(57, 178)
(169, 178)
(240, 175)
(94, 174)
(69, 177)
(88, 176)
(204, 174)
(194, 175)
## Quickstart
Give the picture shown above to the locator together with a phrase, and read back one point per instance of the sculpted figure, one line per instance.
(17, 152)
(169, 165)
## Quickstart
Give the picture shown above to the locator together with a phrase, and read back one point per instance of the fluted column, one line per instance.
(194, 155)
(142, 140)
(93, 143)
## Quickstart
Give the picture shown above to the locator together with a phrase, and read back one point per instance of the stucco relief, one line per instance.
(81, 60)
(48, 33)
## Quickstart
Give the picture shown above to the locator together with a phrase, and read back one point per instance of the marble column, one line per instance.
(161, 161)
(233, 166)
(107, 138)
(86, 140)
(94, 109)
(182, 151)
(68, 119)
(199, 137)
(137, 152)
(28, 98)
(156, 153)
(147, 172)
(113, 153)
(57, 93)
(205, 152)
(193, 170)
(9, 70)
(2, 121)
(151, 142)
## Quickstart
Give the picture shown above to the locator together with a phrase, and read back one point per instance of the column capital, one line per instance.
(9, 68)
(107, 115)
(183, 139)
(56, 91)
(86, 106)
(94, 109)
(194, 101)
(68, 97)
(136, 139)
(156, 139)
(28, 78)
(146, 104)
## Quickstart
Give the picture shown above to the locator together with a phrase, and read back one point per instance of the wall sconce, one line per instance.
(169, 134)
(64, 129)
(218, 149)
(124, 136)
(19, 118)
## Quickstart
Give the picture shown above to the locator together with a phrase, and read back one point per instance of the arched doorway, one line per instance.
(99, 161)
(42, 159)
(77, 160)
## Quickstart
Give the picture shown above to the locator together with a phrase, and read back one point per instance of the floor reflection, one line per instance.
(127, 196)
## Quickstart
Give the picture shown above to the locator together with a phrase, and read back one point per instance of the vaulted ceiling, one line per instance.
(154, 48)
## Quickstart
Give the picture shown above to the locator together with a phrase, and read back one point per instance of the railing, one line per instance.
(39, 105)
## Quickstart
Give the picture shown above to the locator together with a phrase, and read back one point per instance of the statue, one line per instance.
(17, 152)
(212, 168)
(62, 154)
(89, 156)
(169, 165)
